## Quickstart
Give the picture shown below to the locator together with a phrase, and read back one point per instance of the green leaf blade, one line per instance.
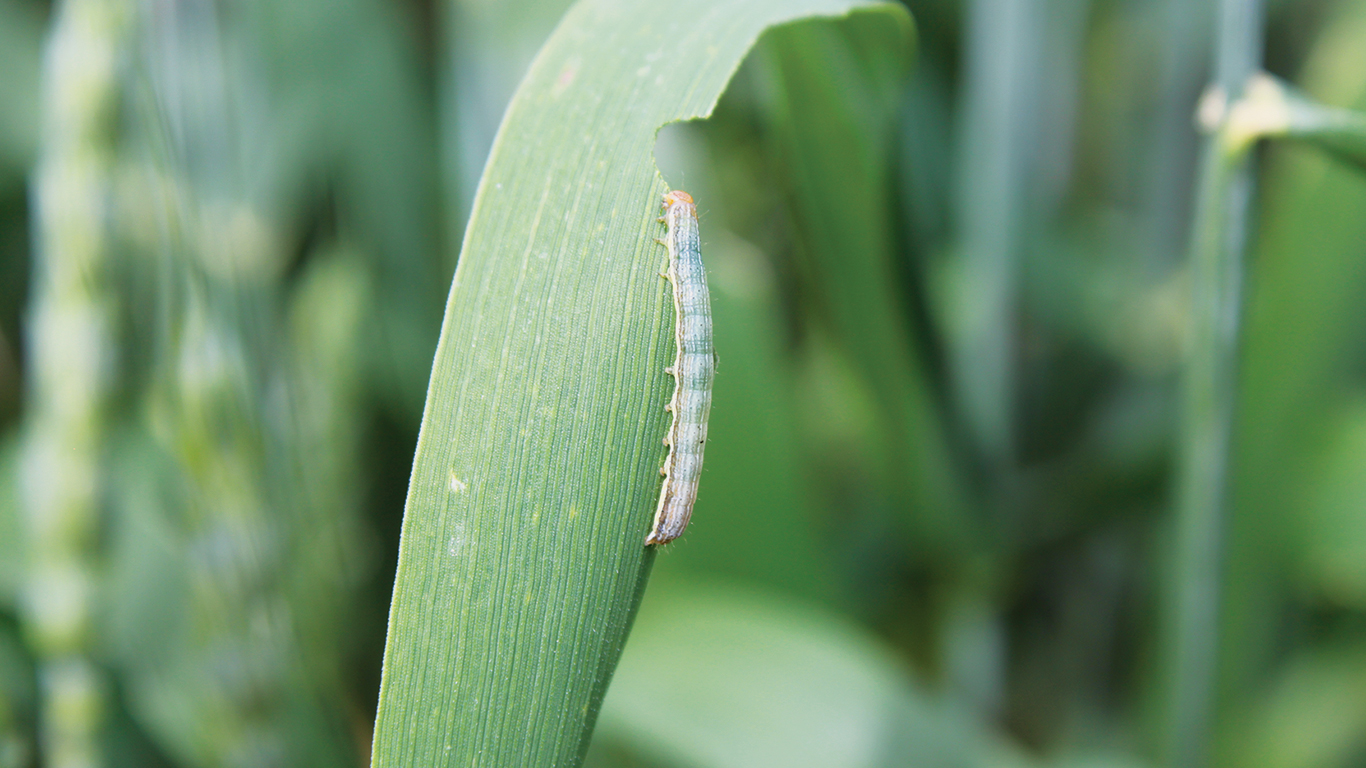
(535, 476)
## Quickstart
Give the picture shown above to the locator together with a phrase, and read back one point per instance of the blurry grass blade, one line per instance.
(349, 74)
(535, 475)
(1001, 40)
(11, 524)
(838, 167)
(1332, 528)
(1313, 715)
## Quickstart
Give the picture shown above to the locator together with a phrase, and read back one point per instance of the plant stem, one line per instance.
(998, 114)
(70, 342)
(1208, 396)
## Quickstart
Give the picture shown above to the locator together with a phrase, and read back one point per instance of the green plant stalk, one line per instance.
(1180, 69)
(1207, 401)
(536, 472)
(70, 344)
(1002, 37)
(1207, 415)
(1266, 109)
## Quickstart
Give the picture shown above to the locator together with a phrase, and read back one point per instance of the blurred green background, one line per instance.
(935, 523)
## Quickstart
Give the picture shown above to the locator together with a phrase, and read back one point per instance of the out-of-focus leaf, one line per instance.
(1102, 760)
(18, 700)
(12, 554)
(836, 162)
(1332, 516)
(1096, 760)
(721, 677)
(1313, 716)
(21, 34)
(209, 690)
(925, 159)
(144, 624)
(348, 100)
(331, 554)
(1303, 324)
(536, 473)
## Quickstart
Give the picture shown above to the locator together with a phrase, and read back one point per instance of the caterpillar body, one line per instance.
(693, 369)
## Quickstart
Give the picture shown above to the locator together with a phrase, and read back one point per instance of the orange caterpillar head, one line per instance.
(677, 196)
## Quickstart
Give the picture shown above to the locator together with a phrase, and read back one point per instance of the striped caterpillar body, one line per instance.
(693, 369)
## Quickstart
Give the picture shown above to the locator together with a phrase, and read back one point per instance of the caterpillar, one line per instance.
(693, 369)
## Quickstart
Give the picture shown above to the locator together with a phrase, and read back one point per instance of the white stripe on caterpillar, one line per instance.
(693, 369)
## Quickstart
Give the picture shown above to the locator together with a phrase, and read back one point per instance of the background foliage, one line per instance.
(935, 525)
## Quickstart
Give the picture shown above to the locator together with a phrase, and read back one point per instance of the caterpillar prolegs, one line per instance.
(693, 369)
